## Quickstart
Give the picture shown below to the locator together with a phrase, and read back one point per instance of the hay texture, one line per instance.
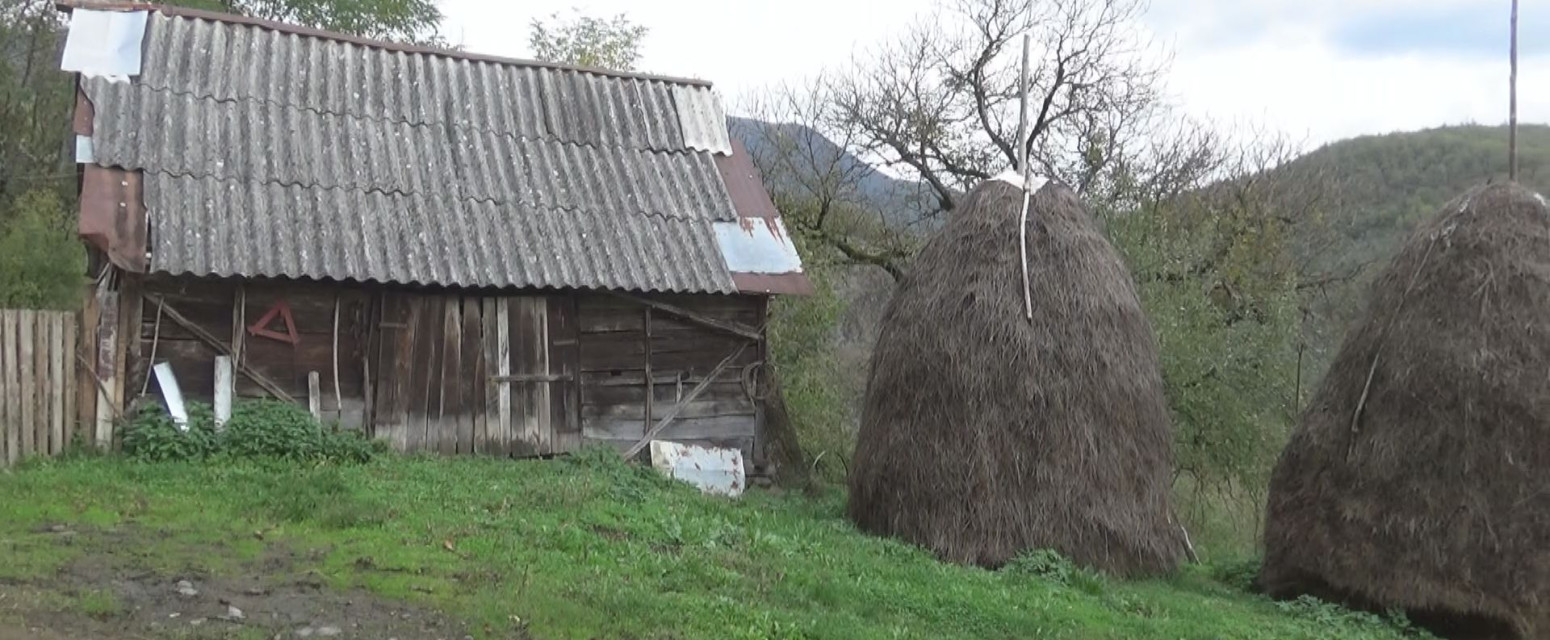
(984, 434)
(1435, 498)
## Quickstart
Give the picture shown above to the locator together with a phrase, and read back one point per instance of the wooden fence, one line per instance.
(37, 382)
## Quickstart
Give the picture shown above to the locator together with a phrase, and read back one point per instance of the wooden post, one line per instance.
(1021, 150)
(503, 368)
(338, 396)
(651, 387)
(1027, 173)
(29, 392)
(239, 320)
(85, 372)
(314, 395)
(224, 389)
(107, 349)
(58, 378)
(1512, 108)
(11, 371)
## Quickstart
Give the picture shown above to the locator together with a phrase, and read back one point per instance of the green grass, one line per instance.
(592, 548)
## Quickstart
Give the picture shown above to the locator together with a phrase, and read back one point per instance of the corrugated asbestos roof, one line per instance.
(268, 152)
(266, 229)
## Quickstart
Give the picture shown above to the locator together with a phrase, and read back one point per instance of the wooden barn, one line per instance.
(455, 253)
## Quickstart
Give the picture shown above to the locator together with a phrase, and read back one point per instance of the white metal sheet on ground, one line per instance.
(713, 470)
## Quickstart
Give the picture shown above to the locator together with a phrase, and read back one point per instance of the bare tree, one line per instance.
(938, 107)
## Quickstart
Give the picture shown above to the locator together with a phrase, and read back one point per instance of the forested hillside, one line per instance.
(1384, 186)
(1390, 182)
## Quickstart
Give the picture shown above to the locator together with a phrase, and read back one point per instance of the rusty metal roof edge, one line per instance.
(773, 283)
(214, 16)
(751, 200)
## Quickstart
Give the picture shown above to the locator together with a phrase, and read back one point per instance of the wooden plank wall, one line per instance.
(445, 365)
(37, 383)
(617, 353)
(225, 310)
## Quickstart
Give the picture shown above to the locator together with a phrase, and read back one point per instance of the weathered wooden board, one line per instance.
(29, 378)
(507, 434)
(565, 361)
(10, 385)
(493, 439)
(700, 360)
(394, 363)
(533, 413)
(225, 308)
(37, 382)
(471, 378)
(630, 402)
(443, 429)
(424, 401)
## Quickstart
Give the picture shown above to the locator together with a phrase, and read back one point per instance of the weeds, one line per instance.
(258, 429)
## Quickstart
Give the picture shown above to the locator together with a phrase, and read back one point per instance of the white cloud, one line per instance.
(1290, 72)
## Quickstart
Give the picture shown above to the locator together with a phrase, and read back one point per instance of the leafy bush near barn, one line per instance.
(258, 429)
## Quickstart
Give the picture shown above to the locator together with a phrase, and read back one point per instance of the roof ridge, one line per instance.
(548, 137)
(230, 18)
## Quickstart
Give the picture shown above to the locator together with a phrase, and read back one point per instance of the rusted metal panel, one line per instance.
(765, 261)
(112, 217)
(81, 118)
(757, 245)
(744, 186)
(776, 284)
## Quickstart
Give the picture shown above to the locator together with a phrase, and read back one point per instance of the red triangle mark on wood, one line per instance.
(283, 310)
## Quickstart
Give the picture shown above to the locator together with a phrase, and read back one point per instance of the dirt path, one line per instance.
(104, 595)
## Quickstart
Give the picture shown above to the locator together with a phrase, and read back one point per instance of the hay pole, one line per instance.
(1022, 166)
(1372, 369)
(1512, 101)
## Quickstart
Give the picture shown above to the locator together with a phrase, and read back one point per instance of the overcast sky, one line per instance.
(1318, 70)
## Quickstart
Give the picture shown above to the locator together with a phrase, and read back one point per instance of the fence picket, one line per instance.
(7, 387)
(37, 382)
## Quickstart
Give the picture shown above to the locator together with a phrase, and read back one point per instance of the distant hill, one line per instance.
(1386, 184)
(895, 198)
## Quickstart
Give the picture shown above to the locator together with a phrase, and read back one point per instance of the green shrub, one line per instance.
(1238, 575)
(1050, 565)
(41, 258)
(273, 429)
(1332, 615)
(153, 436)
(258, 429)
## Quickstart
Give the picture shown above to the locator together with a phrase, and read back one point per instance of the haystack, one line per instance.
(984, 434)
(1419, 477)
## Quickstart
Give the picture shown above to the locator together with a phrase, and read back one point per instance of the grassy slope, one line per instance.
(595, 549)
